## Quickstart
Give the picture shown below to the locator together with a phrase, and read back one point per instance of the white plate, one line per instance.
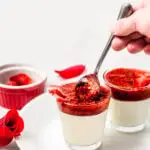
(43, 130)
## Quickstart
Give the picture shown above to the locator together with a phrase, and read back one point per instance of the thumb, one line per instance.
(125, 26)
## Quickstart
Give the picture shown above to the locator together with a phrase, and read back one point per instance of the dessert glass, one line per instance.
(83, 123)
(129, 106)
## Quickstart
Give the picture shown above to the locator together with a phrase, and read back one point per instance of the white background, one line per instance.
(53, 34)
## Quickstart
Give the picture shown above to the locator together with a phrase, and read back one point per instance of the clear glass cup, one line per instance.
(128, 107)
(83, 124)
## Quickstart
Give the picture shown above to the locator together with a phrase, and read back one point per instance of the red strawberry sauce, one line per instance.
(128, 84)
(70, 104)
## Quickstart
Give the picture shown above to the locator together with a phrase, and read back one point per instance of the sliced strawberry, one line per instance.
(12, 83)
(71, 72)
(6, 136)
(21, 79)
(19, 126)
(14, 122)
(11, 125)
(11, 118)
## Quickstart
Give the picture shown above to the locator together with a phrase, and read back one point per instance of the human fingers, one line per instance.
(136, 46)
(147, 49)
(120, 43)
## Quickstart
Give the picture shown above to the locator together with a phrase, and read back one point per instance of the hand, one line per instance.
(133, 32)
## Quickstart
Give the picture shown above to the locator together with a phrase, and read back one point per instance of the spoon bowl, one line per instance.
(88, 88)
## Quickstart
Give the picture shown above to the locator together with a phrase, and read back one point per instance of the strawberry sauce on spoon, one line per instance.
(88, 87)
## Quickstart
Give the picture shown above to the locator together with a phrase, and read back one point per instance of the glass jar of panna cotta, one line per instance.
(130, 100)
(83, 122)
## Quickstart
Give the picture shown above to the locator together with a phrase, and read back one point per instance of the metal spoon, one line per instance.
(88, 87)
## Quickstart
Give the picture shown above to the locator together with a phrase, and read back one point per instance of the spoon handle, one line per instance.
(125, 11)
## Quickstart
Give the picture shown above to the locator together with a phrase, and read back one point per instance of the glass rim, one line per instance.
(109, 84)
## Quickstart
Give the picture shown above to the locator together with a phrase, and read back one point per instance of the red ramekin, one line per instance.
(16, 97)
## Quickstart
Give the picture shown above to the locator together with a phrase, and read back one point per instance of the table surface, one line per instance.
(54, 34)
(113, 140)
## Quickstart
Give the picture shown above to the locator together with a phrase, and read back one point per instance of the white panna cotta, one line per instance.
(129, 113)
(83, 130)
